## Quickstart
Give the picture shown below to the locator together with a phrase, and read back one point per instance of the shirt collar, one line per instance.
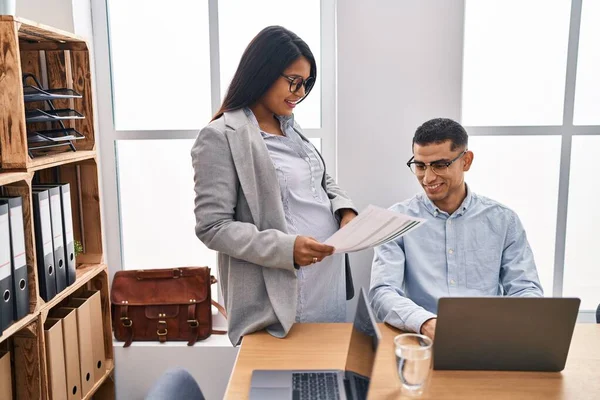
(285, 120)
(435, 211)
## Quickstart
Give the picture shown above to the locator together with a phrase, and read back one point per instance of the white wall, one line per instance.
(55, 13)
(399, 64)
(139, 366)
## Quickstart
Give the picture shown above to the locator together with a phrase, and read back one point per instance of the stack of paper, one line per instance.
(372, 227)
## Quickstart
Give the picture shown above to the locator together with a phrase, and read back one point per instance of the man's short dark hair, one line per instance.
(439, 130)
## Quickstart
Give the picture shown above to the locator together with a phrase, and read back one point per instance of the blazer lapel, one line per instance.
(256, 173)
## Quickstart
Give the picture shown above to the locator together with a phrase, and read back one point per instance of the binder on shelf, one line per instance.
(5, 376)
(93, 297)
(84, 336)
(43, 244)
(6, 282)
(55, 359)
(71, 344)
(67, 223)
(58, 241)
(18, 256)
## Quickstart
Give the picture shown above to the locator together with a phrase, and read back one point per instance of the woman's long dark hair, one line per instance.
(263, 61)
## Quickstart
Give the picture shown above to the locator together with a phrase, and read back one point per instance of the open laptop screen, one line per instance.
(364, 340)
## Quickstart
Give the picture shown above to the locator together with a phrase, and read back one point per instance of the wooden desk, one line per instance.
(325, 346)
(307, 346)
(579, 380)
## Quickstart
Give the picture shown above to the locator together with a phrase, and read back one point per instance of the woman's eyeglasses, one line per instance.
(296, 82)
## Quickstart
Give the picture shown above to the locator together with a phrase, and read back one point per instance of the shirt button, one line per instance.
(307, 159)
(452, 282)
(449, 222)
(451, 251)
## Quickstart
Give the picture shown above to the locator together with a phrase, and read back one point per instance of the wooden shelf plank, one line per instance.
(55, 160)
(17, 326)
(110, 366)
(42, 32)
(12, 177)
(84, 274)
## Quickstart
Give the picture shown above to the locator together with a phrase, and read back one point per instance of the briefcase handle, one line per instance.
(170, 273)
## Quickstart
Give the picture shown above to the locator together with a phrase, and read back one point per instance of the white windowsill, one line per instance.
(212, 341)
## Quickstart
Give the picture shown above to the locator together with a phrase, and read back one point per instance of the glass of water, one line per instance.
(414, 361)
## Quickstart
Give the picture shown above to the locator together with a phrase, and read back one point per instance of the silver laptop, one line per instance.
(327, 384)
(504, 333)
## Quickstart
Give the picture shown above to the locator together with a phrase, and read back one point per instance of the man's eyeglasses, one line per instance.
(296, 82)
(438, 167)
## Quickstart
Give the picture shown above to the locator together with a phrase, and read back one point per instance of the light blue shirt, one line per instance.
(479, 250)
(308, 212)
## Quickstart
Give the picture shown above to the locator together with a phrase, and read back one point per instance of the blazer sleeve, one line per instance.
(216, 185)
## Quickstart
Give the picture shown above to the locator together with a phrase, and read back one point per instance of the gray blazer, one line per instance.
(240, 215)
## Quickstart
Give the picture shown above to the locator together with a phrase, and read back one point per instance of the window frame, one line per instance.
(566, 131)
(109, 136)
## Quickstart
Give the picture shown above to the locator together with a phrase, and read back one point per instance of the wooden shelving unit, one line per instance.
(60, 60)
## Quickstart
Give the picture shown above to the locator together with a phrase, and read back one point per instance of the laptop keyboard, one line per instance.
(315, 386)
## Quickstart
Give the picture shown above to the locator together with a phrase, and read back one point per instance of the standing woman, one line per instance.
(264, 201)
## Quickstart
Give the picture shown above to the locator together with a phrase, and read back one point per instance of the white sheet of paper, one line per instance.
(372, 227)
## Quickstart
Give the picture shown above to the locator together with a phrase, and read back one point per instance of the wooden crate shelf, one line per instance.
(89, 277)
(53, 56)
(59, 159)
(59, 60)
(110, 367)
(7, 178)
(28, 360)
(34, 34)
(85, 274)
(17, 326)
(85, 203)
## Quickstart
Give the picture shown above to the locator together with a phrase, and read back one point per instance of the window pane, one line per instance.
(160, 65)
(241, 20)
(515, 59)
(508, 169)
(316, 142)
(156, 193)
(582, 275)
(587, 90)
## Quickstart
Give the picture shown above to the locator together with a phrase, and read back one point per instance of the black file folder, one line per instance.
(58, 241)
(67, 224)
(43, 244)
(6, 291)
(17, 253)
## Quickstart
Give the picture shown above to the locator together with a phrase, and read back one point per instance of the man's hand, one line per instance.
(347, 215)
(428, 328)
(308, 251)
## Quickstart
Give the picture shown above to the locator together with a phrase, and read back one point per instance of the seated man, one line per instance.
(469, 246)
